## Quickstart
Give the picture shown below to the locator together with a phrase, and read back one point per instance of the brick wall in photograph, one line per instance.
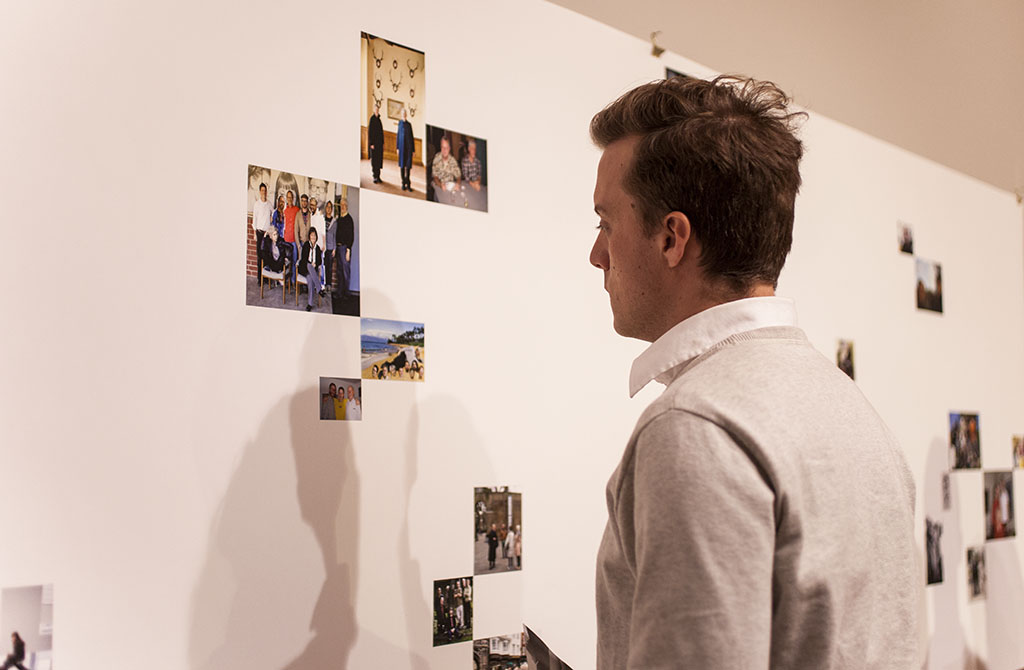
(250, 249)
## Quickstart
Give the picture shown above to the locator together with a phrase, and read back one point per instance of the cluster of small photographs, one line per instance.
(453, 611)
(26, 619)
(933, 550)
(964, 441)
(399, 152)
(302, 237)
(844, 357)
(504, 652)
(341, 399)
(392, 350)
(498, 530)
(975, 573)
(999, 517)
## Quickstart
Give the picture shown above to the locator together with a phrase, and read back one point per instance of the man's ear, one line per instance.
(676, 238)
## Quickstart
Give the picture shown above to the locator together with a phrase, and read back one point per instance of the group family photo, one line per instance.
(302, 243)
(453, 611)
(392, 350)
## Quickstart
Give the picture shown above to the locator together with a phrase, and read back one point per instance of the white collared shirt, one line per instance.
(693, 336)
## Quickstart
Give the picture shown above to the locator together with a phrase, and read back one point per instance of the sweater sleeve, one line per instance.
(703, 535)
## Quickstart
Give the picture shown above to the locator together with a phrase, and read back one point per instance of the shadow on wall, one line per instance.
(270, 594)
(947, 648)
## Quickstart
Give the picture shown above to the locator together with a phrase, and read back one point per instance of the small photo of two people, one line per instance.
(302, 243)
(341, 399)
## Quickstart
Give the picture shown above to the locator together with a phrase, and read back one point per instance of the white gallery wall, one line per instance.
(163, 462)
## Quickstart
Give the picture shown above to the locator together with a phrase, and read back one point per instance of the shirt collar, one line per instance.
(693, 336)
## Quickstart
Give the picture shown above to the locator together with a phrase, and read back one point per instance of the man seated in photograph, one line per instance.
(762, 514)
(445, 170)
(273, 252)
(310, 260)
(472, 169)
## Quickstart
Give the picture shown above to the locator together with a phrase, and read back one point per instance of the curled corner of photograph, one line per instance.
(538, 655)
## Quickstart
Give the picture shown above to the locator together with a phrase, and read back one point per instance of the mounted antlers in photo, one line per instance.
(395, 85)
(412, 109)
(412, 68)
(378, 59)
(412, 91)
(378, 98)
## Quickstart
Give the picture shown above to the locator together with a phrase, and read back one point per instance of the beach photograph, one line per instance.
(392, 350)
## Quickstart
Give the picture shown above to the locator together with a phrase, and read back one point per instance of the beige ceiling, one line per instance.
(941, 78)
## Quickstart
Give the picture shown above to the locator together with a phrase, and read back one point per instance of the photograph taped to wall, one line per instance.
(947, 493)
(26, 619)
(905, 237)
(453, 611)
(392, 96)
(498, 530)
(393, 350)
(964, 441)
(929, 285)
(1017, 444)
(456, 169)
(975, 573)
(670, 73)
(933, 550)
(341, 399)
(999, 517)
(502, 652)
(298, 257)
(844, 357)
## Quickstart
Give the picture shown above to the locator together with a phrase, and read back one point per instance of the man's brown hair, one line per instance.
(722, 152)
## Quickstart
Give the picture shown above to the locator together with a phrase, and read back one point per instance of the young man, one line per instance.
(762, 514)
(262, 211)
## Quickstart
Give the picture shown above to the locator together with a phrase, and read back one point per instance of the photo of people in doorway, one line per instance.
(26, 620)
